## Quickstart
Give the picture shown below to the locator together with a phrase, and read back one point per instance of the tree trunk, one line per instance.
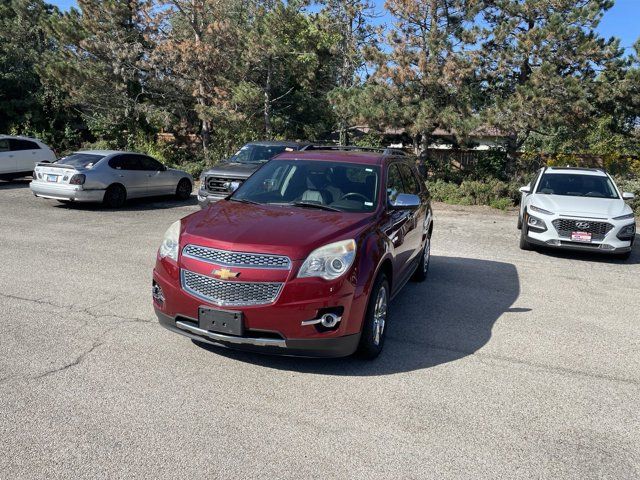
(267, 102)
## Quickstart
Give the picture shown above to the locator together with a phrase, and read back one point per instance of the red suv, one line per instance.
(302, 259)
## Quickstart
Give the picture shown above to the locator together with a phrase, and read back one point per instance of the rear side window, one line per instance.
(19, 144)
(4, 145)
(410, 179)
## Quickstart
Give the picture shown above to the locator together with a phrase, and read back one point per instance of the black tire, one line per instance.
(422, 270)
(624, 256)
(373, 335)
(519, 226)
(524, 243)
(183, 190)
(115, 196)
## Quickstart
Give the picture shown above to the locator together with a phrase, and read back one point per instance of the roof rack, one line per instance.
(385, 151)
(589, 169)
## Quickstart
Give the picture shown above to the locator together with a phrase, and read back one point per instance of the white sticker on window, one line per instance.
(368, 169)
(368, 204)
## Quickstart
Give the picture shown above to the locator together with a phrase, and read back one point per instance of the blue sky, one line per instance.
(622, 21)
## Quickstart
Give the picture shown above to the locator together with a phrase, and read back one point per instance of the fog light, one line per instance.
(554, 242)
(604, 246)
(157, 293)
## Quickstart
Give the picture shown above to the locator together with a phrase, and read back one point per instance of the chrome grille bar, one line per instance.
(223, 293)
(237, 259)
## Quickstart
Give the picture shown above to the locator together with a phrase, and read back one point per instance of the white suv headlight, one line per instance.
(170, 242)
(628, 216)
(329, 262)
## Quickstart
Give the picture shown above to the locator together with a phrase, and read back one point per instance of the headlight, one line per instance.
(170, 242)
(624, 217)
(329, 262)
(536, 223)
(540, 210)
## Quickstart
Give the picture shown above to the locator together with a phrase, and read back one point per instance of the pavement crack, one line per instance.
(79, 359)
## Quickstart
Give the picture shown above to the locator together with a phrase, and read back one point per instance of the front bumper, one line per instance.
(206, 198)
(552, 238)
(329, 347)
(74, 193)
(280, 327)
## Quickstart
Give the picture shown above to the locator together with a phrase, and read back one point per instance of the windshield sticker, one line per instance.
(368, 204)
(368, 169)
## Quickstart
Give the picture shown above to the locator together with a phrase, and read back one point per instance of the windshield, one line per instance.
(252, 153)
(81, 160)
(328, 185)
(576, 185)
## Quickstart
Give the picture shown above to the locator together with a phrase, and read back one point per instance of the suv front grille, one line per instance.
(224, 293)
(598, 230)
(237, 259)
(220, 185)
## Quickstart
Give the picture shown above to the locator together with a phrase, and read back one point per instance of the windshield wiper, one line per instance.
(315, 205)
(244, 200)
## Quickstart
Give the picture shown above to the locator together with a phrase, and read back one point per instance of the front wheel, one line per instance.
(375, 320)
(183, 190)
(524, 243)
(420, 275)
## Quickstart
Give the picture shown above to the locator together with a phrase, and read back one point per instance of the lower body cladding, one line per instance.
(311, 318)
(66, 192)
(615, 237)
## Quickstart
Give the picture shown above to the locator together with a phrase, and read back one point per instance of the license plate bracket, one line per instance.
(229, 322)
(584, 237)
(52, 178)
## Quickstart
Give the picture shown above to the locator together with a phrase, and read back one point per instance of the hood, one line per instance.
(284, 230)
(582, 206)
(233, 170)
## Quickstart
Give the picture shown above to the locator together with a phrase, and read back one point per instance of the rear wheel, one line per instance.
(115, 196)
(183, 190)
(375, 320)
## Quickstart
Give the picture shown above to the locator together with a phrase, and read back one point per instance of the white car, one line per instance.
(19, 156)
(576, 208)
(108, 176)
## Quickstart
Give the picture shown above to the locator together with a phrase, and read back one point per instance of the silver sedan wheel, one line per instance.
(380, 315)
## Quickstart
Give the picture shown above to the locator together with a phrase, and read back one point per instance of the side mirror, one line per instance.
(405, 201)
(628, 196)
(525, 189)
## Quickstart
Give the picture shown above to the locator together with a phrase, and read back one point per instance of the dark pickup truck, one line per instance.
(221, 180)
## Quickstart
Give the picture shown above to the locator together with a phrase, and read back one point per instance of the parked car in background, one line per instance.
(221, 180)
(576, 208)
(19, 156)
(108, 176)
(303, 258)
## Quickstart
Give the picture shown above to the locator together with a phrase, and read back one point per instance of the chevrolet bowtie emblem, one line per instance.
(225, 274)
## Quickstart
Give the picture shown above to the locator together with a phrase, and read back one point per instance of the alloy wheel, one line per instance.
(380, 315)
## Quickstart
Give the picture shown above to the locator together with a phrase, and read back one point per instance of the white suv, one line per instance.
(576, 208)
(19, 156)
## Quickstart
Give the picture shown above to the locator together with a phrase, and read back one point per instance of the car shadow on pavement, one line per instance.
(446, 318)
(14, 184)
(634, 259)
(134, 205)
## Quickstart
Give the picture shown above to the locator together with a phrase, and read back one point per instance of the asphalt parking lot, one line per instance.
(504, 364)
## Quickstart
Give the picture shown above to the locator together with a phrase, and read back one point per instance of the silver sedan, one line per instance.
(108, 176)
